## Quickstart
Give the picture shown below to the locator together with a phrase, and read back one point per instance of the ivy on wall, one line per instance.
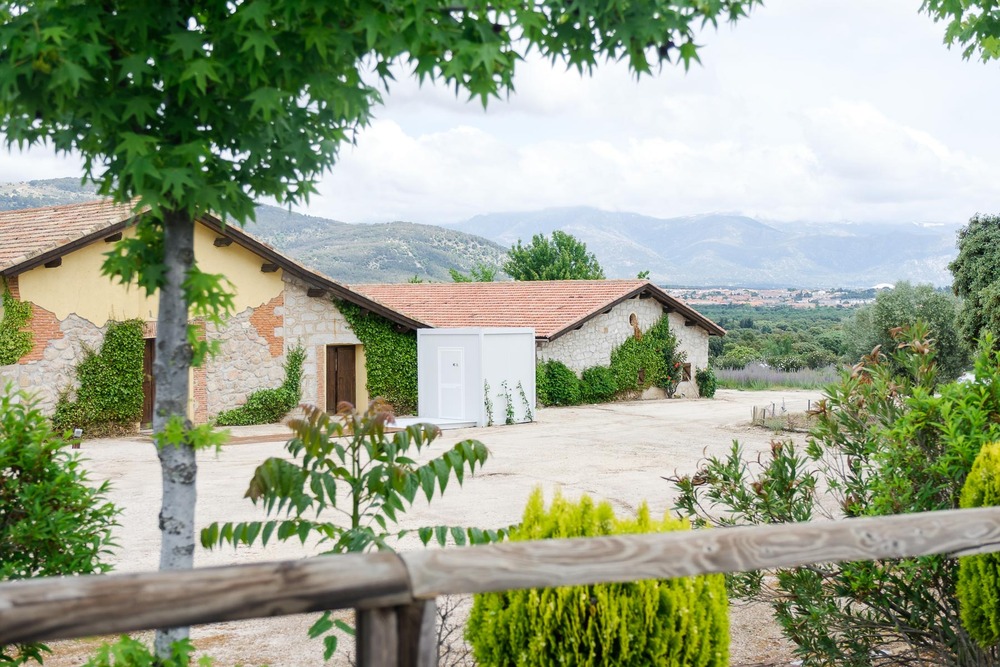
(109, 399)
(15, 341)
(640, 362)
(390, 355)
(267, 406)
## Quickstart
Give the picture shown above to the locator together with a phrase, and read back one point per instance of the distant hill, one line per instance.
(703, 250)
(51, 192)
(351, 253)
(384, 252)
(734, 250)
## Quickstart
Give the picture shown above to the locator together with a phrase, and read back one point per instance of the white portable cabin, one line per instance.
(459, 369)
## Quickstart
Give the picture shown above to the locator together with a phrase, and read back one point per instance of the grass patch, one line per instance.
(758, 376)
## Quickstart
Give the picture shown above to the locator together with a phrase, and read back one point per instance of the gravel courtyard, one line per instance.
(616, 452)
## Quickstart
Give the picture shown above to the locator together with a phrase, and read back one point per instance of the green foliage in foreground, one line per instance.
(267, 406)
(979, 576)
(674, 622)
(347, 482)
(128, 652)
(53, 521)
(886, 442)
(109, 399)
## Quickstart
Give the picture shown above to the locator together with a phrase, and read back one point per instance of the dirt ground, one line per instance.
(616, 452)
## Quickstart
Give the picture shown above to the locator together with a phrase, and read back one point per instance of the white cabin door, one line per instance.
(451, 382)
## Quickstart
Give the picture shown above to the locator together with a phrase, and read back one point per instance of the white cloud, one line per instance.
(827, 110)
(37, 163)
(819, 110)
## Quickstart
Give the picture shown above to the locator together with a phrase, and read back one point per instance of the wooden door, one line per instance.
(340, 376)
(148, 381)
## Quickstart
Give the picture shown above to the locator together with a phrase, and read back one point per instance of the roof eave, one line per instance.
(66, 248)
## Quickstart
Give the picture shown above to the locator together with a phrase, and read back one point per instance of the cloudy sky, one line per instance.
(817, 110)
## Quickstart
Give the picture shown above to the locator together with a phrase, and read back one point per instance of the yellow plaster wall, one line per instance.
(77, 286)
(240, 266)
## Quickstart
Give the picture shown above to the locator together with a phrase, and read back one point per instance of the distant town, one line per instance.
(790, 296)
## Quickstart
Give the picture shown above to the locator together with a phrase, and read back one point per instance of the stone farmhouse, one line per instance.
(578, 322)
(51, 257)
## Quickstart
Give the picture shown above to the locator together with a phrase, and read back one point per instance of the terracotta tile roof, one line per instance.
(31, 232)
(551, 307)
(29, 237)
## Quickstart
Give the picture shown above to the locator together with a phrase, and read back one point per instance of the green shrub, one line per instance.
(888, 439)
(673, 370)
(815, 359)
(109, 398)
(707, 384)
(562, 384)
(597, 385)
(128, 652)
(542, 384)
(674, 622)
(736, 357)
(786, 363)
(979, 576)
(53, 521)
(267, 406)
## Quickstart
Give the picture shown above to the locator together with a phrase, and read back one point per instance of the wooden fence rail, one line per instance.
(394, 592)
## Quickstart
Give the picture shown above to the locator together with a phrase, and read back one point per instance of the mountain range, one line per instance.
(735, 250)
(703, 250)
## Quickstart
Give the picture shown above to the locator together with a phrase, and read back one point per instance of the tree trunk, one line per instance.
(173, 363)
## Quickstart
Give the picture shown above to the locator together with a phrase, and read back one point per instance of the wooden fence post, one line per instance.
(417, 631)
(377, 639)
(403, 636)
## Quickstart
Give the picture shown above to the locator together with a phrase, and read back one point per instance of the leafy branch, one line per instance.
(350, 466)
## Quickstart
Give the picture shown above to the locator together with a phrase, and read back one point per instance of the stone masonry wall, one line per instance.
(314, 323)
(51, 366)
(694, 341)
(251, 356)
(593, 343)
